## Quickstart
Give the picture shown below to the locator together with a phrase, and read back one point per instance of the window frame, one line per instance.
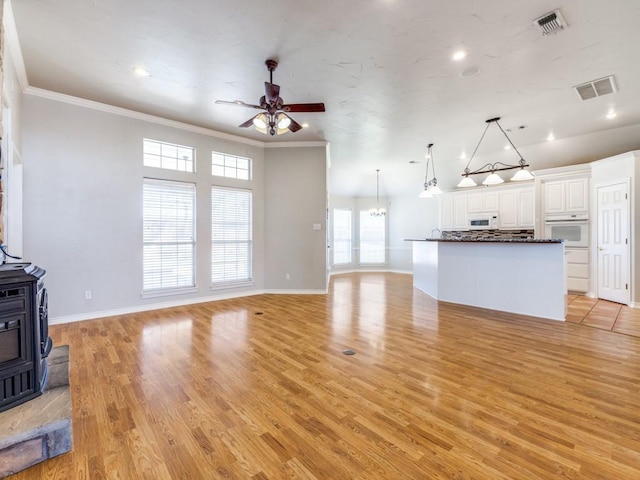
(178, 147)
(230, 167)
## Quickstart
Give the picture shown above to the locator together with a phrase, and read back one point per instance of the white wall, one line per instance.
(409, 217)
(12, 152)
(83, 179)
(296, 189)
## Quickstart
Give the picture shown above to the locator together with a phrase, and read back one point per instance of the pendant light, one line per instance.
(431, 187)
(491, 168)
(378, 212)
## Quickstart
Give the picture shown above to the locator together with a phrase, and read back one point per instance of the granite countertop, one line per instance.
(486, 240)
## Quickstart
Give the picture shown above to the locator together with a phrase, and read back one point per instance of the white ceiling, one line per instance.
(383, 68)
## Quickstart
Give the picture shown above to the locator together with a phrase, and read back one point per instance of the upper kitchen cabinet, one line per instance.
(566, 196)
(481, 202)
(454, 211)
(516, 208)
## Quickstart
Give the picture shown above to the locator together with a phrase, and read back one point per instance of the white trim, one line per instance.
(103, 107)
(276, 291)
(145, 308)
(12, 42)
(295, 144)
(175, 303)
(339, 272)
(168, 292)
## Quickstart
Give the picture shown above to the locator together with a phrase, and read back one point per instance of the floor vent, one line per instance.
(551, 22)
(596, 88)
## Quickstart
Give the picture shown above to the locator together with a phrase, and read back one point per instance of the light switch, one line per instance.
(317, 226)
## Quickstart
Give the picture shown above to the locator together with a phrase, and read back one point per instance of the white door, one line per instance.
(613, 242)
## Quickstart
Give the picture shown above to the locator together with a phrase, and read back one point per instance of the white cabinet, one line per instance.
(566, 196)
(516, 209)
(481, 202)
(454, 212)
(577, 269)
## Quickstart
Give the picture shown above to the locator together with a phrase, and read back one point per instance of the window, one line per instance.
(341, 237)
(231, 237)
(372, 238)
(168, 235)
(168, 156)
(223, 165)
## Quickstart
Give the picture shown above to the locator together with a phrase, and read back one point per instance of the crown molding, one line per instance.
(294, 144)
(103, 107)
(12, 44)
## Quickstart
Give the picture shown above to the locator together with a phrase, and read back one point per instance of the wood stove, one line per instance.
(24, 333)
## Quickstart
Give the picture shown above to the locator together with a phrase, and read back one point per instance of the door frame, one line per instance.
(630, 235)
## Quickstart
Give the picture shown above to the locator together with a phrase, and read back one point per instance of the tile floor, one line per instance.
(603, 314)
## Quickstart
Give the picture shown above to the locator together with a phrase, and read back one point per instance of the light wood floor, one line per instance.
(435, 391)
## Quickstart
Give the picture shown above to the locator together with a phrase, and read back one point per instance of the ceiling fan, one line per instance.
(275, 119)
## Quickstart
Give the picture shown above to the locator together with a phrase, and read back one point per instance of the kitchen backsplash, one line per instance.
(488, 234)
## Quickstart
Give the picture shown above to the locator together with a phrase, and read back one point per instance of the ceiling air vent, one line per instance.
(551, 22)
(596, 88)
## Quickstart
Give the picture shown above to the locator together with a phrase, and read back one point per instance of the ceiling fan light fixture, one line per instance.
(260, 122)
(283, 121)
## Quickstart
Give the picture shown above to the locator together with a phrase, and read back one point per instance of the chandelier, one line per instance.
(492, 168)
(431, 187)
(378, 212)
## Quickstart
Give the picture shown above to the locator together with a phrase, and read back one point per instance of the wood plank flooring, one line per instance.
(258, 388)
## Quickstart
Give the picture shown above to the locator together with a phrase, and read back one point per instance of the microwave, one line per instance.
(483, 222)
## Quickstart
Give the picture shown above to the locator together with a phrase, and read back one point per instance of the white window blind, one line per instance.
(231, 234)
(168, 235)
(372, 239)
(230, 166)
(167, 155)
(341, 237)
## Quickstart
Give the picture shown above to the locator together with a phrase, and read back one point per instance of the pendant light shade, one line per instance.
(521, 175)
(467, 182)
(493, 179)
(431, 187)
(492, 168)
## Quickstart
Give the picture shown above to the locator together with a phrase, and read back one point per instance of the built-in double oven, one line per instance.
(572, 228)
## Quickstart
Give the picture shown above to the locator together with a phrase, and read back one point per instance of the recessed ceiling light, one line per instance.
(551, 137)
(507, 147)
(141, 71)
(305, 125)
(463, 156)
(611, 114)
(459, 55)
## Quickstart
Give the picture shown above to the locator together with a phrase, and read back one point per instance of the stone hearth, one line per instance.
(40, 428)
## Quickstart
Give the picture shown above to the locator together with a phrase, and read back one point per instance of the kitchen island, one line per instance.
(524, 276)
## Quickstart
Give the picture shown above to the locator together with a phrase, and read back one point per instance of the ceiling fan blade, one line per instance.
(303, 107)
(238, 104)
(294, 126)
(271, 91)
(248, 123)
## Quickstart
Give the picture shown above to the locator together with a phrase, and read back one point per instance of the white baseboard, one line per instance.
(175, 303)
